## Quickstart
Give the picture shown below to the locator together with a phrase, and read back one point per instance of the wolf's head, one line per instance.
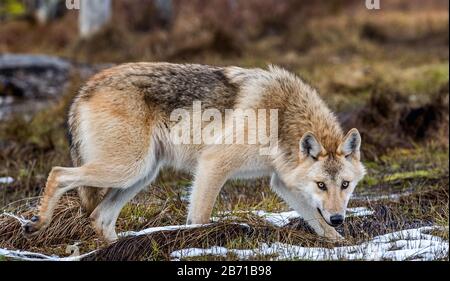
(326, 179)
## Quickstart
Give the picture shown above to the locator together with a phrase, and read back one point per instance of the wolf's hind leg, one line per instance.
(61, 180)
(90, 197)
(105, 215)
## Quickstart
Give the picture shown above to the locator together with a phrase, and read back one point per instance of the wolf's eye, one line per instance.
(345, 184)
(321, 185)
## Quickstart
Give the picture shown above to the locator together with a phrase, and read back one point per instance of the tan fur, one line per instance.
(120, 139)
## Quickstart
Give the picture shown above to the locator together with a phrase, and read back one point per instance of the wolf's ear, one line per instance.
(351, 144)
(309, 146)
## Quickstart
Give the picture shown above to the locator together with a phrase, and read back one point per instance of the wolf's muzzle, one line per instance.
(336, 220)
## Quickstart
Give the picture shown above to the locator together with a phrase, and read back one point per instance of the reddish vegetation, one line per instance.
(388, 121)
(220, 27)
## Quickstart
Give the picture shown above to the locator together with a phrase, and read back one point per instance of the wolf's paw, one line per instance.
(33, 227)
(105, 231)
(334, 236)
(337, 238)
(197, 219)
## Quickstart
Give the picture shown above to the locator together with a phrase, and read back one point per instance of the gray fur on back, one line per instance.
(174, 86)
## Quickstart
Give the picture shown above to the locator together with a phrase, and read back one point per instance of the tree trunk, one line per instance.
(47, 10)
(93, 16)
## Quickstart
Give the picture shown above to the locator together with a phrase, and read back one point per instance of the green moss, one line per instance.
(369, 181)
(13, 8)
(428, 78)
(419, 80)
(184, 182)
(242, 243)
(420, 158)
(412, 174)
(138, 211)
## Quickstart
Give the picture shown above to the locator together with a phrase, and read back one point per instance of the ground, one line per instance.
(384, 72)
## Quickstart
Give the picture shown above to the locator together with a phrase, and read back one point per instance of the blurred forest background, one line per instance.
(384, 71)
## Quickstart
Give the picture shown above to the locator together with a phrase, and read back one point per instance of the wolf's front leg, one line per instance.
(315, 220)
(210, 177)
(305, 210)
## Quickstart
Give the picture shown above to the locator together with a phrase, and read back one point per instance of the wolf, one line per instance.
(119, 125)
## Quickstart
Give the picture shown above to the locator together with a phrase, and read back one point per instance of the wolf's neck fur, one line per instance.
(300, 110)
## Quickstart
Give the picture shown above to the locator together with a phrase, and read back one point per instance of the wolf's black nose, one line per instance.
(336, 220)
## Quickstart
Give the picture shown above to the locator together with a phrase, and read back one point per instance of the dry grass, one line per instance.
(70, 225)
(164, 204)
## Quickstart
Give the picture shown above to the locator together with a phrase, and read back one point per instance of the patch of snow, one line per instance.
(160, 228)
(283, 218)
(30, 256)
(167, 228)
(373, 198)
(6, 180)
(21, 220)
(277, 219)
(359, 212)
(401, 245)
(408, 244)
